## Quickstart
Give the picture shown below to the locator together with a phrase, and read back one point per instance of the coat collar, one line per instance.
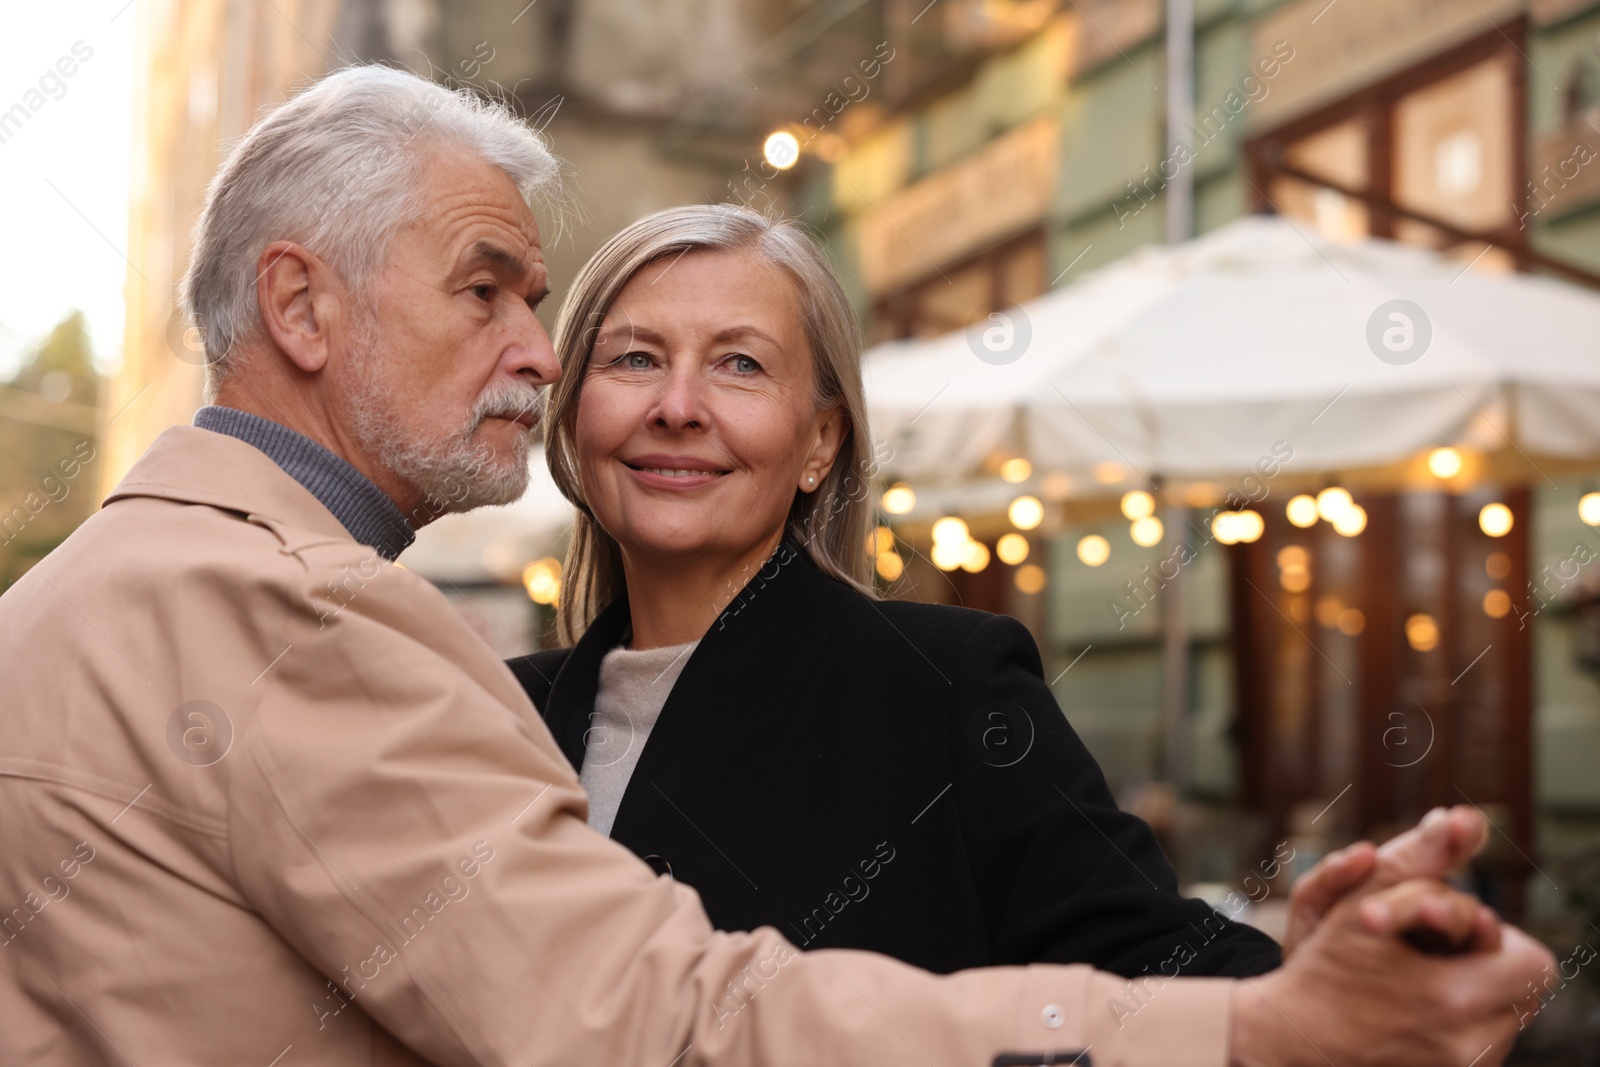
(198, 466)
(735, 697)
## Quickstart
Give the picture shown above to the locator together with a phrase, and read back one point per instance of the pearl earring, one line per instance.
(811, 479)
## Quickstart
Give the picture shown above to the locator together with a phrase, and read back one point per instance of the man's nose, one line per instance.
(531, 356)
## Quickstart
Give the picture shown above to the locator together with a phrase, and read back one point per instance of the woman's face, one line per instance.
(696, 425)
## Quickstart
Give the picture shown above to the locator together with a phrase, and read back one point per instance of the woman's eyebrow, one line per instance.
(635, 332)
(608, 335)
(736, 333)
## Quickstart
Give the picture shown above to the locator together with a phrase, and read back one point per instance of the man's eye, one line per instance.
(483, 292)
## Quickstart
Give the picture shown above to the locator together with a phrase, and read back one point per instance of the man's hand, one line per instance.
(1439, 845)
(1355, 994)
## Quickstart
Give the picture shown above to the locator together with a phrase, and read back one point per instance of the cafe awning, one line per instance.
(1194, 361)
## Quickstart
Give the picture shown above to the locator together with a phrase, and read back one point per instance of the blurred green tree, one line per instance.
(48, 446)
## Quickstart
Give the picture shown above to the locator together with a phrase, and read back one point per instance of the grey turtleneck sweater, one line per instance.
(364, 509)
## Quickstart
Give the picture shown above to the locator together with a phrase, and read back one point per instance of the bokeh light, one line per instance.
(1146, 532)
(1012, 548)
(1094, 550)
(1137, 504)
(1444, 463)
(1495, 520)
(1302, 510)
(1025, 512)
(899, 499)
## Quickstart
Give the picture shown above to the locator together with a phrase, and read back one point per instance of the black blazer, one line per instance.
(889, 776)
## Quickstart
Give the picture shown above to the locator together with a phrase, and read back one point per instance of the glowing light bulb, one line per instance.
(1422, 633)
(542, 580)
(1016, 470)
(1026, 512)
(1138, 504)
(1146, 532)
(1302, 510)
(1444, 463)
(890, 566)
(1495, 520)
(1012, 548)
(1030, 578)
(899, 499)
(1251, 526)
(1352, 521)
(1333, 502)
(950, 531)
(781, 149)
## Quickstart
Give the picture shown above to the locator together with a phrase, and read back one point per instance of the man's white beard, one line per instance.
(454, 473)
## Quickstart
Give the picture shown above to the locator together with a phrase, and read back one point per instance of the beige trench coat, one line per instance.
(266, 800)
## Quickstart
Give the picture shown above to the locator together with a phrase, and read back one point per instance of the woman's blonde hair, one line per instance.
(831, 523)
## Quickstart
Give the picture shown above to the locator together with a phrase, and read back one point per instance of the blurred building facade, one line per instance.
(1466, 126)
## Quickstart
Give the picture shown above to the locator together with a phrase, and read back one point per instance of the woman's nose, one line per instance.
(681, 402)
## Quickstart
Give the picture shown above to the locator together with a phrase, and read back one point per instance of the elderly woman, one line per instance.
(745, 711)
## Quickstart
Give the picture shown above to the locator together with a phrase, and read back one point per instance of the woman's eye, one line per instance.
(745, 365)
(636, 361)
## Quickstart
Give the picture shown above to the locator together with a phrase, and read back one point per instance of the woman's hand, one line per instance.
(1439, 845)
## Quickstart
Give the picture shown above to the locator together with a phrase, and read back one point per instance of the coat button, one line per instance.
(659, 865)
(1052, 1016)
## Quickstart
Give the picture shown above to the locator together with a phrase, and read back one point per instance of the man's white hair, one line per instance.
(337, 170)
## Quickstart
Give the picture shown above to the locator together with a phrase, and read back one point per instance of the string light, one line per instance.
(1138, 504)
(1495, 520)
(1444, 463)
(950, 530)
(1422, 633)
(1030, 579)
(1146, 532)
(781, 149)
(899, 499)
(1012, 548)
(1333, 502)
(890, 565)
(542, 580)
(1026, 512)
(1016, 470)
(1238, 527)
(1302, 510)
(1351, 521)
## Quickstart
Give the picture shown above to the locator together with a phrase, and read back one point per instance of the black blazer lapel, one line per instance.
(571, 699)
(731, 706)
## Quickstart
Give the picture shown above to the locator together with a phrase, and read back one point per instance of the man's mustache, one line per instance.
(508, 400)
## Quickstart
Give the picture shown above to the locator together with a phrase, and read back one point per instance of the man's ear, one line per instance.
(300, 298)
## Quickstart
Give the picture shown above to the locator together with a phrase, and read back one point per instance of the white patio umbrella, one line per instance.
(1194, 360)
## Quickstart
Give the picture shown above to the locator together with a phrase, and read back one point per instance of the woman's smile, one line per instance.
(673, 472)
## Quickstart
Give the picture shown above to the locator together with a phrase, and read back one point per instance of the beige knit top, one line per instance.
(634, 685)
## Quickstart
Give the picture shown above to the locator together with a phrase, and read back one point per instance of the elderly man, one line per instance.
(269, 801)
